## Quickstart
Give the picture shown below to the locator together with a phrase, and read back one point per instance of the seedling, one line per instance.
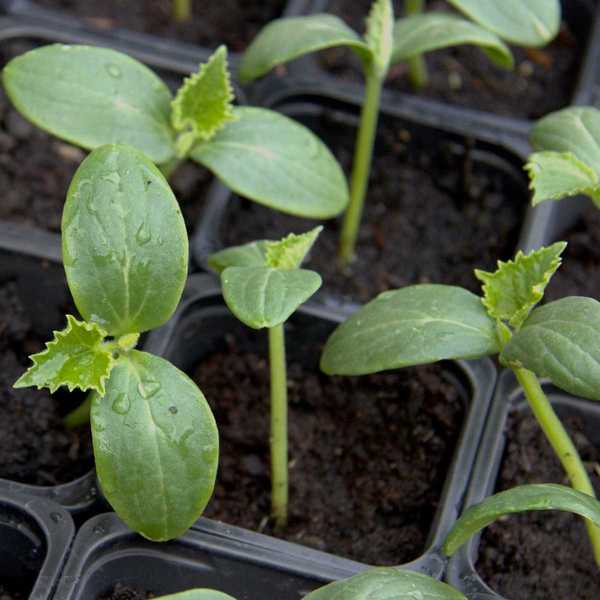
(263, 285)
(386, 43)
(125, 254)
(568, 159)
(426, 323)
(202, 594)
(182, 10)
(93, 96)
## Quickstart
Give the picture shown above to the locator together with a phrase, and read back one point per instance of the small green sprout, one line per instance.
(426, 323)
(125, 254)
(93, 96)
(386, 43)
(263, 285)
(182, 10)
(567, 161)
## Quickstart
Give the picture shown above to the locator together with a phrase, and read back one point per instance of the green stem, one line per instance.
(561, 443)
(279, 435)
(363, 154)
(79, 416)
(182, 10)
(417, 69)
(168, 168)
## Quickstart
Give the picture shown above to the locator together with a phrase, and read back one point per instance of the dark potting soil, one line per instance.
(7, 593)
(543, 79)
(123, 592)
(540, 555)
(368, 456)
(434, 212)
(36, 168)
(231, 22)
(35, 447)
(579, 273)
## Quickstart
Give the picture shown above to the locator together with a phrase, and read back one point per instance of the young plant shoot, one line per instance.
(93, 96)
(567, 161)
(182, 10)
(386, 43)
(425, 323)
(125, 254)
(263, 285)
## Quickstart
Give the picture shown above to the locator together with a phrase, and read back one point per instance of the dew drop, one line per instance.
(148, 388)
(98, 426)
(143, 235)
(173, 410)
(113, 71)
(121, 404)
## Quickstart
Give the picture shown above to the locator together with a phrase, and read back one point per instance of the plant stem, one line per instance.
(168, 168)
(417, 69)
(279, 434)
(80, 415)
(363, 154)
(182, 10)
(561, 444)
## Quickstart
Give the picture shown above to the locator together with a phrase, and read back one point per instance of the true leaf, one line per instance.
(526, 23)
(203, 103)
(266, 297)
(415, 325)
(422, 33)
(379, 34)
(561, 341)
(275, 161)
(253, 254)
(520, 499)
(124, 242)
(556, 175)
(386, 584)
(156, 446)
(575, 130)
(285, 39)
(75, 358)
(290, 252)
(92, 96)
(197, 595)
(518, 285)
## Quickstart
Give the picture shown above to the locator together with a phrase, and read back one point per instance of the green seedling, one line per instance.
(386, 43)
(422, 324)
(263, 285)
(93, 96)
(567, 161)
(182, 10)
(125, 254)
(202, 594)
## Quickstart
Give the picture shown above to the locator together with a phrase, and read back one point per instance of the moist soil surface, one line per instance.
(36, 168)
(123, 592)
(579, 273)
(231, 22)
(368, 455)
(9, 593)
(543, 79)
(35, 446)
(434, 212)
(545, 554)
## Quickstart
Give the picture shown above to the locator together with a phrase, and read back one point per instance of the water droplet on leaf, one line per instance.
(143, 235)
(148, 388)
(173, 410)
(113, 71)
(121, 404)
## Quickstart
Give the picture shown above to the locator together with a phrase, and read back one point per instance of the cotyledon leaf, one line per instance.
(156, 446)
(520, 499)
(522, 22)
(415, 325)
(75, 358)
(386, 583)
(417, 34)
(198, 595)
(124, 242)
(266, 297)
(92, 96)
(561, 341)
(285, 39)
(273, 160)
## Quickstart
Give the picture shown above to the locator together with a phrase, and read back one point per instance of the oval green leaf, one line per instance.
(416, 325)
(386, 584)
(432, 31)
(266, 297)
(561, 341)
(575, 130)
(124, 242)
(520, 499)
(92, 96)
(156, 446)
(275, 161)
(197, 595)
(521, 22)
(283, 40)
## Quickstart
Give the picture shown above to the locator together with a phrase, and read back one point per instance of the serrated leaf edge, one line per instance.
(57, 335)
(273, 247)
